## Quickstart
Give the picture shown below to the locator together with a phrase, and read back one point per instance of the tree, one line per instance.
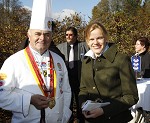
(101, 12)
(14, 22)
(75, 20)
(124, 20)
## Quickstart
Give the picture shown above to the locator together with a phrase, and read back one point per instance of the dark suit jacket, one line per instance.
(145, 64)
(82, 49)
(74, 75)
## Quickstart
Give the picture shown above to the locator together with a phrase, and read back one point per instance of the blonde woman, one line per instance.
(107, 76)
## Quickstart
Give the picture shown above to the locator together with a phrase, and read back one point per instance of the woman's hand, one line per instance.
(94, 113)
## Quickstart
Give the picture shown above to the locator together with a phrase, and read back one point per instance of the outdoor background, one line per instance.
(125, 20)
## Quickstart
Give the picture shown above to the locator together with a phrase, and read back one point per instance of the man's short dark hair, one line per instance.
(73, 29)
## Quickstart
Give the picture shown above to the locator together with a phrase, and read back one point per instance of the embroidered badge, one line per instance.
(43, 64)
(61, 84)
(3, 76)
(59, 66)
(49, 24)
(45, 73)
(48, 64)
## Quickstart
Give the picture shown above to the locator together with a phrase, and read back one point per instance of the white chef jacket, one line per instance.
(19, 85)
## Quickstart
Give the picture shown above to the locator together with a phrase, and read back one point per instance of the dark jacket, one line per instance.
(82, 49)
(145, 64)
(111, 78)
(75, 73)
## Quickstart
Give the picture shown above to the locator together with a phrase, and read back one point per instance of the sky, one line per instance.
(62, 8)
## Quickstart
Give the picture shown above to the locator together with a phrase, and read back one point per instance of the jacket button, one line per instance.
(93, 88)
(96, 69)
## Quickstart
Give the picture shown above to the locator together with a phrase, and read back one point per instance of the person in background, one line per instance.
(73, 63)
(106, 76)
(141, 49)
(34, 82)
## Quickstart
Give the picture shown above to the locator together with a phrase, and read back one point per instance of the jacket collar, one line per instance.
(143, 53)
(111, 52)
(91, 54)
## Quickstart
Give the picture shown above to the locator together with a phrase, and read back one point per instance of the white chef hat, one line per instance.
(41, 17)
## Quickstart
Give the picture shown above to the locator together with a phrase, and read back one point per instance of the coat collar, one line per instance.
(111, 52)
(91, 54)
(143, 53)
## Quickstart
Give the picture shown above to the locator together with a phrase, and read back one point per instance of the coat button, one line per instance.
(96, 69)
(93, 88)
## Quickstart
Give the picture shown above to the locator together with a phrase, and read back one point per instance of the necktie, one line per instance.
(71, 57)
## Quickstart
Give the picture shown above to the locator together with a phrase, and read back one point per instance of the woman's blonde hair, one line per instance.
(93, 26)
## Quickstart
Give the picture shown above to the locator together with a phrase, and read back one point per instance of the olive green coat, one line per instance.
(111, 78)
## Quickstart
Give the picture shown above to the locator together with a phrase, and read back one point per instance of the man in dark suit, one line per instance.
(79, 49)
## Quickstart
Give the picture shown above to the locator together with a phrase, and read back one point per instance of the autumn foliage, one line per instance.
(125, 20)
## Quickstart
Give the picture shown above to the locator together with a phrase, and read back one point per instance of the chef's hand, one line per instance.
(94, 113)
(39, 101)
